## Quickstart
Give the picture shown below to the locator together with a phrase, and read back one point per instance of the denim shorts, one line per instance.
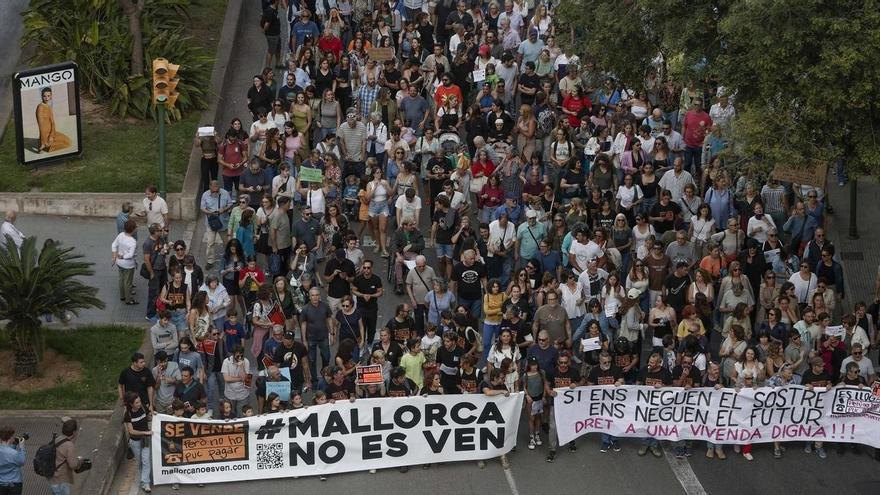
(379, 208)
(444, 250)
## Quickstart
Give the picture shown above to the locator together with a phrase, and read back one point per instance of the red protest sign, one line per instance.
(369, 375)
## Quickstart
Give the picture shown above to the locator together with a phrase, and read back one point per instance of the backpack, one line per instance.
(45, 458)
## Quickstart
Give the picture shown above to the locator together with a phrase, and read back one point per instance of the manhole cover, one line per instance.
(852, 256)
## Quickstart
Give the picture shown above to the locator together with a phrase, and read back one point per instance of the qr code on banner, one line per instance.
(270, 455)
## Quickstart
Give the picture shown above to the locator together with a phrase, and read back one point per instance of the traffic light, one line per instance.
(164, 82)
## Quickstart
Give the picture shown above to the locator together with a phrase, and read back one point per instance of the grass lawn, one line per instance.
(118, 155)
(103, 352)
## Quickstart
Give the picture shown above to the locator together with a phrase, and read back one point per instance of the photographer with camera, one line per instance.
(66, 461)
(12, 458)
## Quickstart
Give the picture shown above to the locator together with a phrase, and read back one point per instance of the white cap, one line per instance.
(531, 214)
(634, 293)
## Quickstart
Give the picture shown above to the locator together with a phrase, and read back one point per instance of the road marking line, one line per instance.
(682, 470)
(508, 473)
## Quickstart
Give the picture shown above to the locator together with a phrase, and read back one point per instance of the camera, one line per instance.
(21, 438)
(84, 465)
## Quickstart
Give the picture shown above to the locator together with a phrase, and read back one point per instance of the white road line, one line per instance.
(508, 473)
(681, 468)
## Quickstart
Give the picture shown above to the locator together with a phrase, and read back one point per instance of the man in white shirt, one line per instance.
(582, 251)
(124, 249)
(456, 198)
(674, 180)
(155, 208)
(760, 224)
(9, 229)
(408, 207)
(502, 235)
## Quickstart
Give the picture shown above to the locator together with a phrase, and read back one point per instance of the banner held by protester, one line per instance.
(723, 416)
(335, 438)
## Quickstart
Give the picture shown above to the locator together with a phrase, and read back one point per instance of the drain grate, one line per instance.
(852, 256)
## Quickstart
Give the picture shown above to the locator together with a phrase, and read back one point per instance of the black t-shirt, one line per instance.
(820, 380)
(680, 378)
(488, 384)
(623, 359)
(339, 286)
(667, 213)
(192, 393)
(676, 290)
(401, 331)
(368, 285)
(469, 280)
(560, 379)
(858, 381)
(598, 376)
(518, 330)
(651, 378)
(449, 362)
(138, 382)
(292, 358)
(468, 381)
(138, 419)
(392, 354)
(447, 223)
(405, 389)
(270, 15)
(531, 82)
(340, 392)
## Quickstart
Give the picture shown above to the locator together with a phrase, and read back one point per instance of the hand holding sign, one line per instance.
(593, 344)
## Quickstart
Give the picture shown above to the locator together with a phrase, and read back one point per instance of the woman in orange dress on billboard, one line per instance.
(50, 138)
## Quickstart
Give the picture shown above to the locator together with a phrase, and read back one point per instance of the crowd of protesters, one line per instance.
(516, 199)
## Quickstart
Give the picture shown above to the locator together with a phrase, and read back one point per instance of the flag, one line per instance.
(276, 316)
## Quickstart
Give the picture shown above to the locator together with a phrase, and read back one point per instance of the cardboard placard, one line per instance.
(479, 75)
(280, 388)
(309, 174)
(591, 344)
(206, 131)
(380, 54)
(813, 175)
(369, 375)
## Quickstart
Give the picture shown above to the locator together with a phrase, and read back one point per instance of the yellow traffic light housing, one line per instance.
(165, 82)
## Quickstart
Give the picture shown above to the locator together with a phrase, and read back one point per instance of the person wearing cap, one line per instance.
(530, 48)
(528, 235)
(166, 373)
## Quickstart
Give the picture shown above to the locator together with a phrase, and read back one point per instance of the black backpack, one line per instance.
(45, 458)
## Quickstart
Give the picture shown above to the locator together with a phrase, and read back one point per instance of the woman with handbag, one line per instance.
(176, 297)
(350, 322)
(262, 247)
(284, 297)
(260, 319)
(199, 319)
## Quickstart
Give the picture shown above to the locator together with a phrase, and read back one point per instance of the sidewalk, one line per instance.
(91, 238)
(40, 428)
(860, 257)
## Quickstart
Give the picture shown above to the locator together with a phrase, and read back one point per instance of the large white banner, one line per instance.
(724, 416)
(335, 438)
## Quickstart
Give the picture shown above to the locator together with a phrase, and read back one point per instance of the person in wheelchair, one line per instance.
(408, 243)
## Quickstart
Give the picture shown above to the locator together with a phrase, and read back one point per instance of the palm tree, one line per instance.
(36, 282)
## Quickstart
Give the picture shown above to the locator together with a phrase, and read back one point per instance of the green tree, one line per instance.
(36, 282)
(804, 74)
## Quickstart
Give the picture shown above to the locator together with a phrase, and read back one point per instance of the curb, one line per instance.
(189, 191)
(55, 414)
(112, 444)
